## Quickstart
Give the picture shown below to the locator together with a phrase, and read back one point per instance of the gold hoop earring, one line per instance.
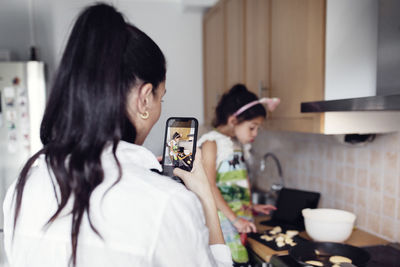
(145, 115)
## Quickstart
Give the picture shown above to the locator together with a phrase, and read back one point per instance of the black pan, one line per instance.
(308, 251)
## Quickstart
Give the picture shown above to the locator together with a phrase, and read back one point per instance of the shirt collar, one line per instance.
(138, 155)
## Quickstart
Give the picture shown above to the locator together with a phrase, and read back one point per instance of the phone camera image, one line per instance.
(179, 145)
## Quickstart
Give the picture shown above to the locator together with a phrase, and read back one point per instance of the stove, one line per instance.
(381, 256)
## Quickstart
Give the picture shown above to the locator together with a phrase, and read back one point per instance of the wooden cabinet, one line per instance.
(299, 51)
(213, 52)
(275, 47)
(296, 62)
(234, 29)
(257, 46)
(223, 49)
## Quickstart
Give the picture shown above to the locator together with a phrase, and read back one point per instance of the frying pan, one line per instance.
(321, 251)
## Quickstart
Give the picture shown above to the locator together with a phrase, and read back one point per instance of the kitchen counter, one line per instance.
(357, 238)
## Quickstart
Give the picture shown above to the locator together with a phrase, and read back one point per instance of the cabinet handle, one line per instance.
(261, 89)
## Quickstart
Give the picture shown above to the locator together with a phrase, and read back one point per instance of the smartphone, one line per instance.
(179, 145)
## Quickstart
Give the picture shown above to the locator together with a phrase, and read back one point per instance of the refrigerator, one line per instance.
(22, 103)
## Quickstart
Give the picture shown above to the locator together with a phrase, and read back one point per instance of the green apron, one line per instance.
(233, 185)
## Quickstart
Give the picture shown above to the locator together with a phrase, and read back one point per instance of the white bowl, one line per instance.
(328, 225)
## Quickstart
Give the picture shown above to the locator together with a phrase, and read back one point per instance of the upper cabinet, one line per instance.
(274, 47)
(299, 51)
(213, 51)
(223, 49)
(257, 45)
(234, 30)
(296, 62)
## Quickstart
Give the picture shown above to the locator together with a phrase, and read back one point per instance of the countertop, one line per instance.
(358, 238)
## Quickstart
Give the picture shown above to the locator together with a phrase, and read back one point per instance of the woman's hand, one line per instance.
(262, 208)
(196, 180)
(243, 225)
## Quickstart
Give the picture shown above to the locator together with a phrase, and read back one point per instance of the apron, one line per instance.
(233, 185)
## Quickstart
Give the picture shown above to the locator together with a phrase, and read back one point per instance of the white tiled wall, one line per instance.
(362, 179)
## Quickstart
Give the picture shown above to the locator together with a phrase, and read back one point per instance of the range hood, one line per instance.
(372, 103)
(387, 92)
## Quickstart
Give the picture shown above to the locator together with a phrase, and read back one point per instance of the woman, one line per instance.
(92, 196)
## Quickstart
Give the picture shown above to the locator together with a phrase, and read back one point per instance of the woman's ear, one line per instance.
(144, 97)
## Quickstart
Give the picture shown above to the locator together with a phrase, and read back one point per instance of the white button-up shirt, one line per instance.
(145, 220)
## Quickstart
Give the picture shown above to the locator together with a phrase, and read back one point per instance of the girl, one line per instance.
(173, 149)
(92, 196)
(239, 115)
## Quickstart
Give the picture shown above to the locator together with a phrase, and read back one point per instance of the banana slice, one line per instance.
(292, 233)
(315, 263)
(339, 259)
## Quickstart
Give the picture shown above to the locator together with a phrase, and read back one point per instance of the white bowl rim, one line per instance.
(311, 214)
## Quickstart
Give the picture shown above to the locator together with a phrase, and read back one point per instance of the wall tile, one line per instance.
(339, 193)
(361, 198)
(329, 154)
(390, 161)
(349, 207)
(389, 183)
(339, 173)
(339, 154)
(330, 188)
(361, 220)
(373, 222)
(398, 209)
(389, 206)
(338, 204)
(349, 175)
(350, 156)
(374, 202)
(362, 179)
(392, 142)
(388, 229)
(349, 194)
(375, 180)
(376, 159)
(397, 227)
(362, 157)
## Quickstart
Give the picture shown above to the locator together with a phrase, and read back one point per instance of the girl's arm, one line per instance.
(209, 155)
(260, 208)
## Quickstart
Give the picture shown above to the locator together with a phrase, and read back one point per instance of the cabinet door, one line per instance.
(257, 29)
(297, 61)
(234, 55)
(213, 26)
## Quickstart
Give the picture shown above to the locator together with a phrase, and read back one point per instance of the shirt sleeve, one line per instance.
(183, 238)
(8, 221)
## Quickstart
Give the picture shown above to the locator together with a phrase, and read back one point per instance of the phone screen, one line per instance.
(179, 145)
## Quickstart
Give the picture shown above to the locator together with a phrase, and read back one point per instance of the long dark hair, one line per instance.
(104, 59)
(234, 99)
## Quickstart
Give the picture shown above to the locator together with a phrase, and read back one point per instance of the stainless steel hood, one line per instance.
(372, 103)
(387, 96)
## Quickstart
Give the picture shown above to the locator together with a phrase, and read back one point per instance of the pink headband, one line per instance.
(271, 103)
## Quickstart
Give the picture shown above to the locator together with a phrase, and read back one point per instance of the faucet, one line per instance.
(276, 186)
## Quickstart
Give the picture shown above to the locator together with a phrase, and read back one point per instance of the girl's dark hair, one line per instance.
(105, 57)
(234, 99)
(176, 135)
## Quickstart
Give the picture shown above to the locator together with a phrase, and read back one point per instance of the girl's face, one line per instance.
(247, 131)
